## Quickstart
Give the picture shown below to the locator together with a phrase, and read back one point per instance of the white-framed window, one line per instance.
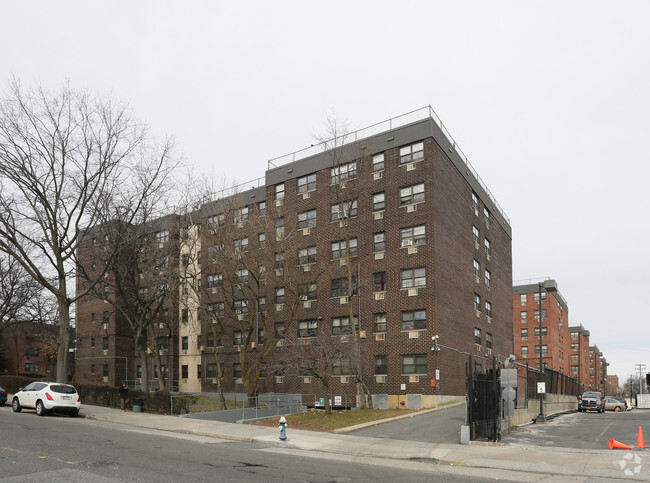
(523, 316)
(379, 281)
(477, 302)
(413, 235)
(339, 249)
(414, 320)
(242, 275)
(307, 219)
(341, 325)
(262, 272)
(241, 214)
(307, 328)
(414, 364)
(378, 162)
(414, 277)
(488, 246)
(486, 214)
(215, 280)
(241, 307)
(279, 191)
(217, 309)
(524, 333)
(488, 340)
(380, 323)
(307, 255)
(261, 208)
(544, 349)
(307, 291)
(261, 240)
(378, 202)
(522, 299)
(411, 153)
(162, 236)
(241, 245)
(307, 183)
(475, 203)
(477, 268)
(488, 278)
(279, 226)
(279, 295)
(477, 335)
(411, 194)
(238, 338)
(488, 308)
(381, 365)
(476, 234)
(279, 260)
(343, 172)
(524, 350)
(347, 209)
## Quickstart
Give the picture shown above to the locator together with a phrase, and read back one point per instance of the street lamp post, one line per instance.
(548, 286)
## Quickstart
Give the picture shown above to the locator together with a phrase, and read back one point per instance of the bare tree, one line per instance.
(63, 158)
(17, 291)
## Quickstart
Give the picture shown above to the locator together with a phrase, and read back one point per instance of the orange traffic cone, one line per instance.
(640, 443)
(616, 410)
(613, 444)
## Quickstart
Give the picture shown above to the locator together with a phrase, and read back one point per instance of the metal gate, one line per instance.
(484, 401)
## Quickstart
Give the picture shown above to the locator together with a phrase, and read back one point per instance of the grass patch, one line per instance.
(318, 420)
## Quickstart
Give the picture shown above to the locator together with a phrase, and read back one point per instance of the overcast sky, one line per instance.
(549, 101)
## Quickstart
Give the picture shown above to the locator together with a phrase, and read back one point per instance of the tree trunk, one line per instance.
(326, 387)
(64, 335)
(222, 397)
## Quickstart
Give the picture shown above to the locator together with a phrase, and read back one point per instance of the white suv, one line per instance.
(46, 397)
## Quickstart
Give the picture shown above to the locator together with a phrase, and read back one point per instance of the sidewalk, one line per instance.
(555, 461)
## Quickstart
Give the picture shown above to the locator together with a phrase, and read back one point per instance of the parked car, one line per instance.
(3, 396)
(47, 396)
(614, 402)
(592, 401)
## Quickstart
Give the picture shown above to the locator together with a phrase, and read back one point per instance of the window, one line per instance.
(488, 340)
(185, 315)
(537, 331)
(414, 235)
(106, 317)
(380, 322)
(524, 350)
(92, 342)
(486, 214)
(279, 295)
(241, 307)
(341, 325)
(379, 242)
(411, 153)
(307, 328)
(238, 337)
(488, 249)
(261, 240)
(381, 367)
(339, 286)
(488, 308)
(107, 291)
(307, 255)
(575, 357)
(379, 281)
(345, 210)
(475, 203)
(279, 226)
(236, 369)
(537, 314)
(105, 343)
(162, 236)
(411, 194)
(216, 310)
(92, 317)
(524, 317)
(378, 202)
(477, 302)
(262, 304)
(307, 183)
(536, 296)
(488, 278)
(544, 349)
(279, 330)
(477, 269)
(522, 299)
(574, 347)
(261, 208)
(414, 320)
(241, 214)
(262, 272)
(279, 260)
(307, 291)
(343, 172)
(341, 367)
(476, 235)
(242, 275)
(211, 372)
(524, 333)
(378, 162)
(414, 277)
(184, 372)
(105, 370)
(92, 369)
(33, 368)
(415, 364)
(279, 191)
(307, 219)
(339, 249)
(477, 336)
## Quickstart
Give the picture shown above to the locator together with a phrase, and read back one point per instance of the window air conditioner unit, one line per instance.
(345, 338)
(105, 379)
(306, 380)
(105, 352)
(413, 334)
(379, 215)
(279, 307)
(478, 347)
(414, 378)
(280, 343)
(489, 352)
(379, 255)
(202, 348)
(214, 380)
(306, 268)
(278, 203)
(306, 231)
(278, 272)
(377, 175)
(238, 380)
(343, 300)
(279, 379)
(412, 250)
(345, 379)
(380, 378)
(410, 166)
(381, 336)
(306, 196)
(240, 316)
(380, 295)
(106, 325)
(306, 304)
(411, 208)
(342, 262)
(306, 341)
(412, 292)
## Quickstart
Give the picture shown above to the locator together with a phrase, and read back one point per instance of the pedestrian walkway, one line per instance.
(554, 461)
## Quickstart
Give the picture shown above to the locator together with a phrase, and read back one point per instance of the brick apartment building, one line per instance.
(597, 370)
(580, 356)
(29, 347)
(556, 345)
(612, 386)
(377, 245)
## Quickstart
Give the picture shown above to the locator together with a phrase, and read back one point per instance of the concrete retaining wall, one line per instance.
(553, 404)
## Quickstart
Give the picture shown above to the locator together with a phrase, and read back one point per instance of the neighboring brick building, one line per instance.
(612, 386)
(580, 356)
(29, 347)
(595, 369)
(401, 214)
(556, 345)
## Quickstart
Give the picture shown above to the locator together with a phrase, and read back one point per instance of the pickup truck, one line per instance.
(592, 401)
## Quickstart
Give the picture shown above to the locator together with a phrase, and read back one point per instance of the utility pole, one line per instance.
(640, 368)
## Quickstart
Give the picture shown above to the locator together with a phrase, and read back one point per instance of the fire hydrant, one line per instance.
(283, 429)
